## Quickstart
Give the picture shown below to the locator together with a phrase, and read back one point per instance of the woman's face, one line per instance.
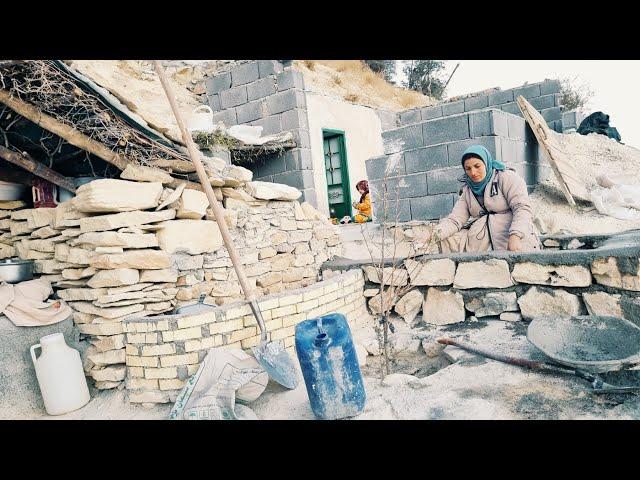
(475, 169)
(360, 190)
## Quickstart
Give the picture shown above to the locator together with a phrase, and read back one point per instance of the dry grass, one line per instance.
(355, 82)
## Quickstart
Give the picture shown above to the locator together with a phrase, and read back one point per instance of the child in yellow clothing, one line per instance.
(364, 206)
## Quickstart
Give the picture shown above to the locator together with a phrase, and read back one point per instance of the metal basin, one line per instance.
(15, 271)
(593, 343)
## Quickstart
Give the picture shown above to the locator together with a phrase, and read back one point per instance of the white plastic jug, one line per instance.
(201, 119)
(60, 375)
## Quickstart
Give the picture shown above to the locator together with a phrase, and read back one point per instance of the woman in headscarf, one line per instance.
(364, 205)
(496, 201)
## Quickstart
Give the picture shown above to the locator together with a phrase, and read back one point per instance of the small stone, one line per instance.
(396, 277)
(192, 204)
(124, 219)
(378, 306)
(172, 196)
(117, 239)
(109, 250)
(362, 354)
(191, 236)
(141, 173)
(370, 292)
(108, 313)
(162, 275)
(146, 259)
(443, 307)
(540, 303)
(439, 272)
(267, 253)
(492, 273)
(551, 243)
(511, 316)
(574, 244)
(493, 303)
(112, 195)
(555, 275)
(603, 304)
(606, 272)
(109, 374)
(269, 279)
(409, 306)
(272, 191)
(114, 278)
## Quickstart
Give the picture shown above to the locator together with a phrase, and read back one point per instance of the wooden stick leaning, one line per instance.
(208, 190)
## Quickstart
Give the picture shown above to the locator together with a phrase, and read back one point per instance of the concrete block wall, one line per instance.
(571, 120)
(270, 94)
(544, 96)
(420, 169)
(163, 352)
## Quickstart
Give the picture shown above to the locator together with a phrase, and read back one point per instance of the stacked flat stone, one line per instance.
(12, 230)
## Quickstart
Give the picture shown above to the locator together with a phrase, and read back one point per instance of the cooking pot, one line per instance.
(16, 271)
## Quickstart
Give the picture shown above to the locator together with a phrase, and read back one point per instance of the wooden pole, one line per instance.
(37, 168)
(68, 133)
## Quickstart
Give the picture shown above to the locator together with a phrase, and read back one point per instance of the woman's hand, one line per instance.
(355, 204)
(515, 243)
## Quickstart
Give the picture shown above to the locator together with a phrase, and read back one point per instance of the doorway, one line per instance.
(336, 173)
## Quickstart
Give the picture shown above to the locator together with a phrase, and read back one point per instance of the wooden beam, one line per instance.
(37, 168)
(68, 133)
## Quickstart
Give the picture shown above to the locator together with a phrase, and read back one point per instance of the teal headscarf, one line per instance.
(490, 164)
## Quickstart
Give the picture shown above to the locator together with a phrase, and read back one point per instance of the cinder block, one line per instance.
(444, 181)
(260, 89)
(428, 113)
(551, 114)
(476, 103)
(249, 112)
(432, 207)
(395, 209)
(516, 127)
(245, 73)
(269, 165)
(509, 155)
(287, 100)
(300, 179)
(425, 159)
(527, 91)
(296, 118)
(452, 108)
(446, 129)
(270, 125)
(233, 97)
(228, 117)
(512, 108)
(488, 122)
(385, 165)
(404, 138)
(546, 101)
(298, 159)
(407, 186)
(269, 67)
(218, 83)
(456, 149)
(214, 102)
(290, 79)
(410, 116)
(301, 137)
(549, 87)
(388, 120)
(498, 98)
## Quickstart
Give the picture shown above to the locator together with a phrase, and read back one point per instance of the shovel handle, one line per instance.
(520, 362)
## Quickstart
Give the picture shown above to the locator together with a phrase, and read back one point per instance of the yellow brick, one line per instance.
(239, 335)
(204, 344)
(193, 345)
(291, 300)
(167, 336)
(175, 360)
(283, 333)
(191, 369)
(336, 303)
(227, 326)
(306, 306)
(250, 320)
(293, 319)
(351, 278)
(291, 351)
(162, 325)
(330, 287)
(316, 312)
(197, 320)
(311, 294)
(236, 312)
(274, 324)
(329, 297)
(173, 384)
(234, 345)
(136, 371)
(141, 338)
(250, 342)
(142, 384)
(282, 311)
(269, 304)
(165, 349)
(171, 372)
(129, 327)
(289, 341)
(141, 361)
(187, 333)
(131, 349)
(140, 327)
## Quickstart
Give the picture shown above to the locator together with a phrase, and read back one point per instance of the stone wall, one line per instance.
(582, 275)
(162, 352)
(123, 248)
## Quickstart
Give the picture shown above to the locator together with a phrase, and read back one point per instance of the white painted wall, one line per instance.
(363, 139)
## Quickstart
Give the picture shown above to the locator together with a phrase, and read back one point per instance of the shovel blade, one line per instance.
(276, 361)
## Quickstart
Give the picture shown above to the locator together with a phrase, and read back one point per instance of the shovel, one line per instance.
(270, 355)
(598, 385)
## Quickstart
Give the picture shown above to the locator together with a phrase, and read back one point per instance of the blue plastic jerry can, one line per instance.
(330, 367)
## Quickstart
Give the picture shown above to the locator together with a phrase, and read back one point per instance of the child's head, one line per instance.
(362, 186)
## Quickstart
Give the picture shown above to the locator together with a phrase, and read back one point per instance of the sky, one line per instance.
(615, 84)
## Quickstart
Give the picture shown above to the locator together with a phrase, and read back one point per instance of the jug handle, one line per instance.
(33, 353)
(203, 107)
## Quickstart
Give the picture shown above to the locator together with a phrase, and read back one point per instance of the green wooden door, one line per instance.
(337, 174)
